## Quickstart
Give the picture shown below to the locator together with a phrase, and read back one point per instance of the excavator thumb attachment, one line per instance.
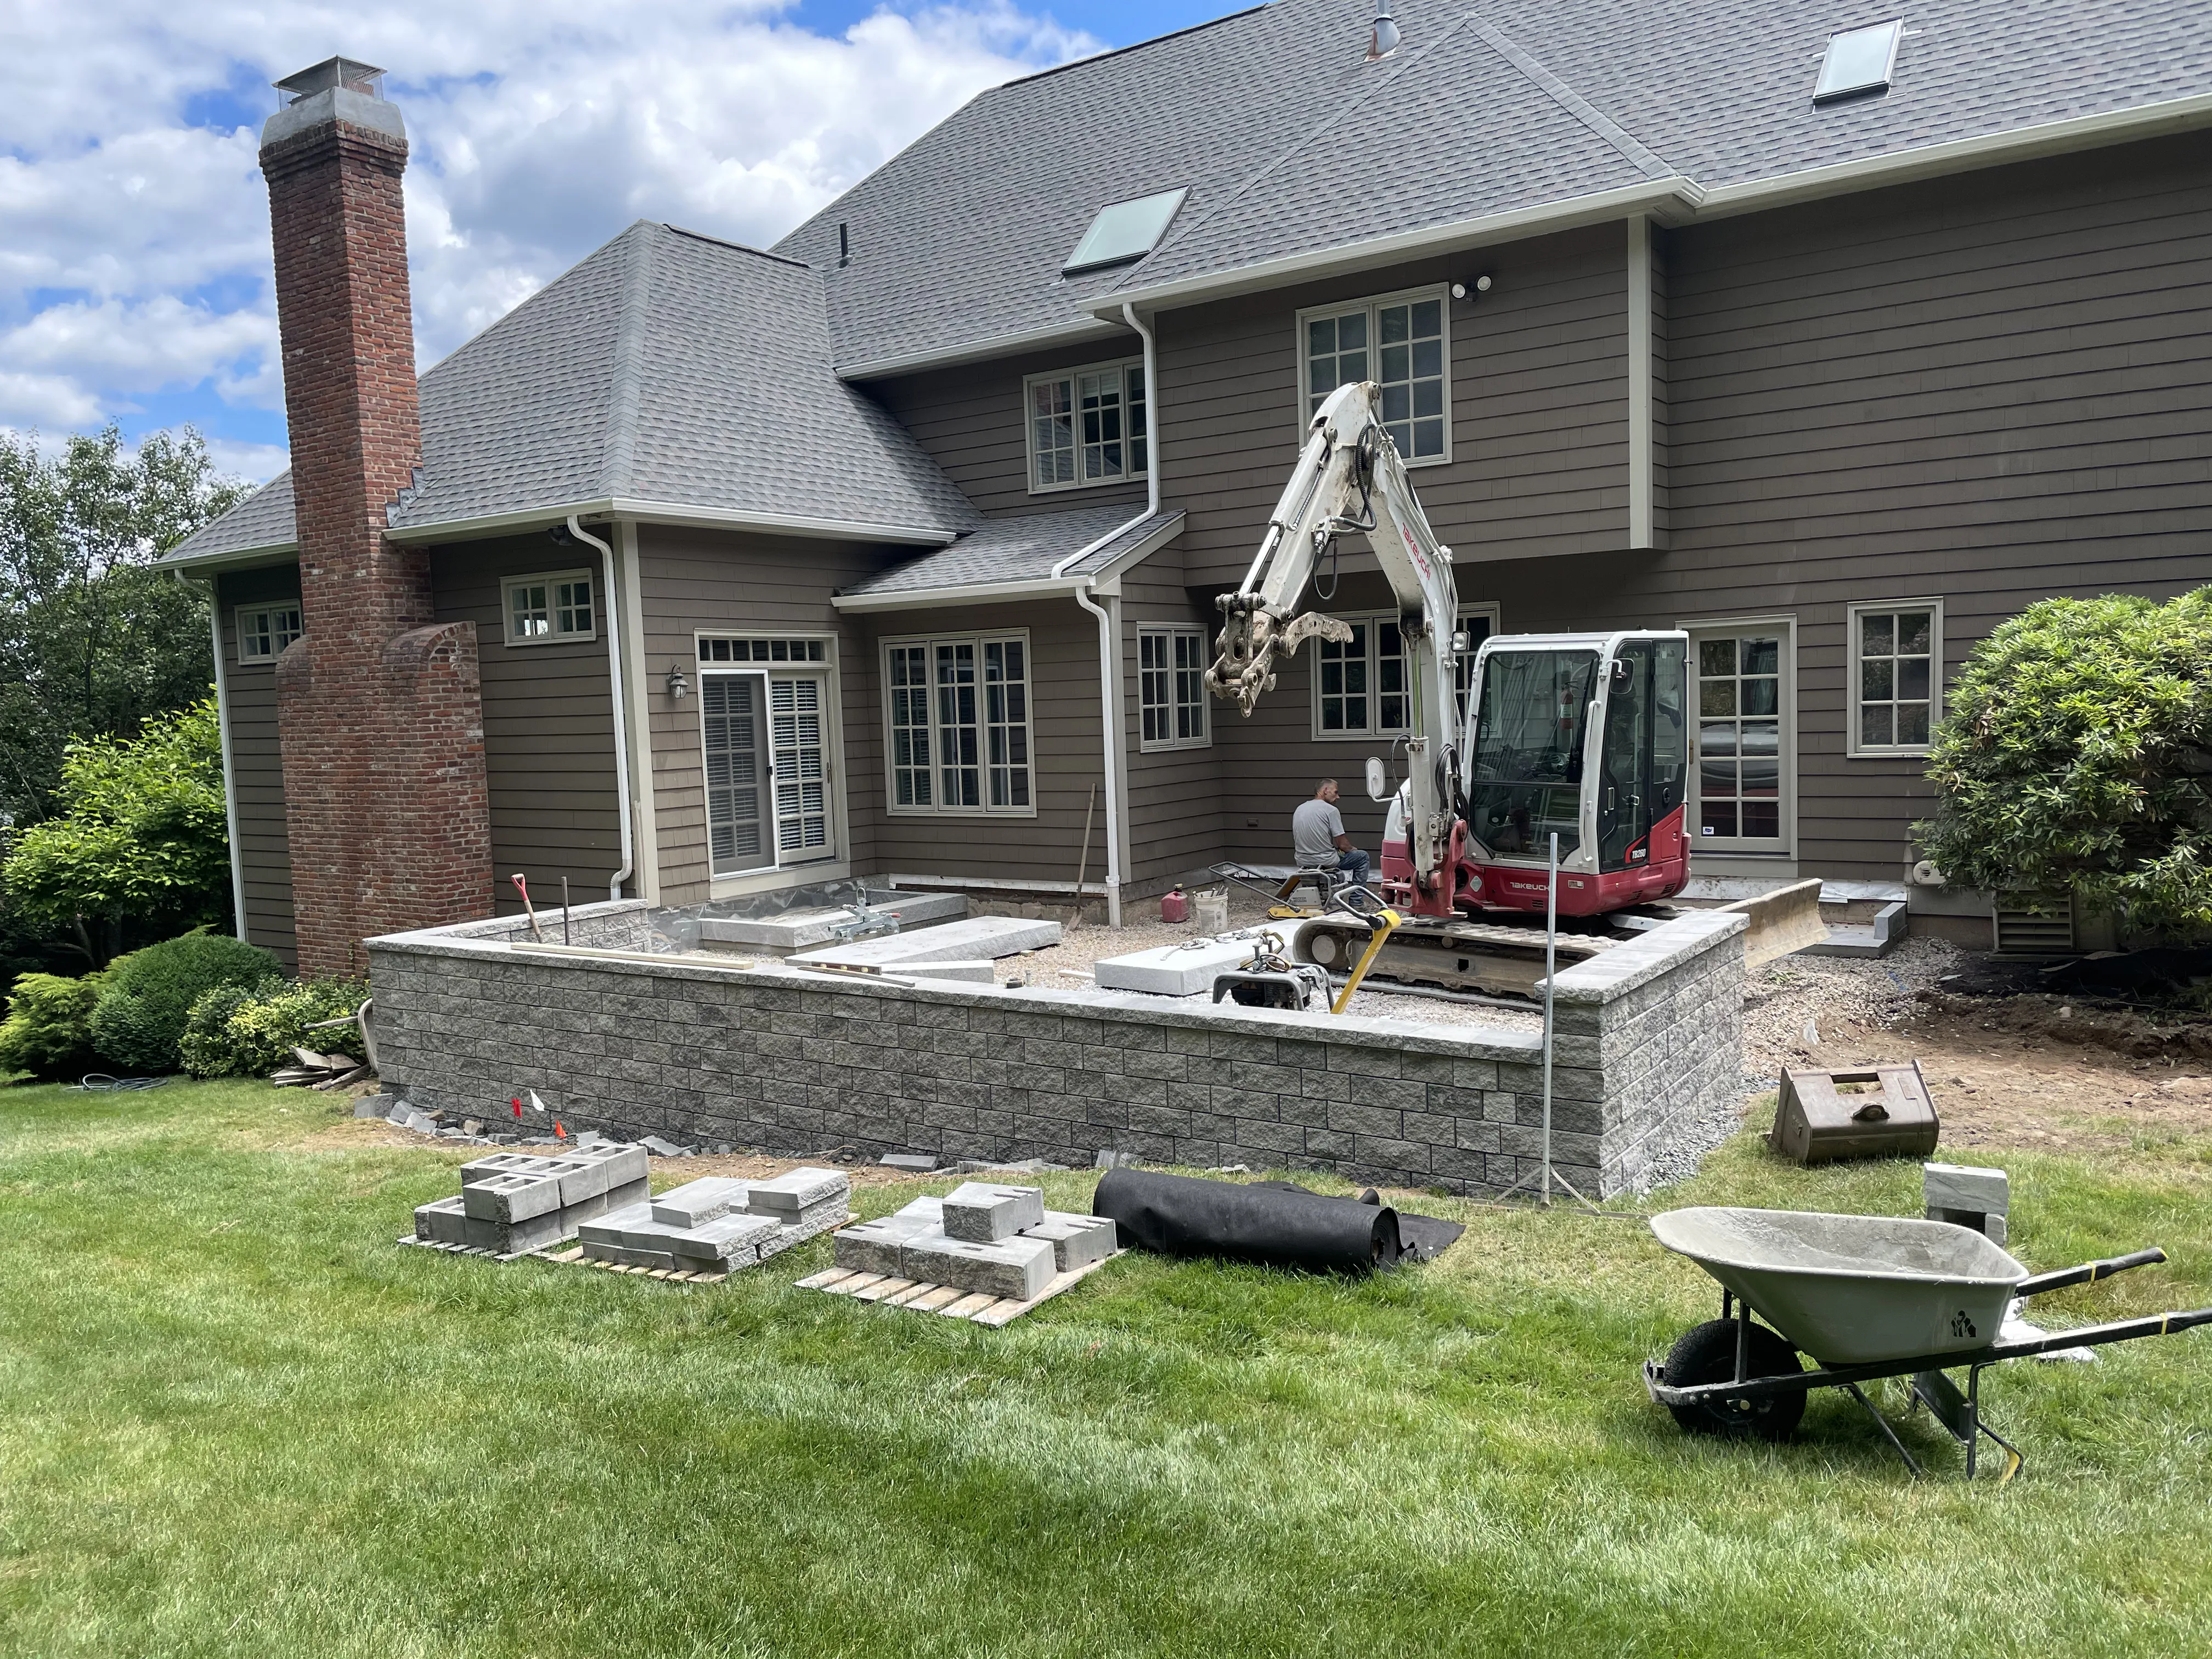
(1786, 920)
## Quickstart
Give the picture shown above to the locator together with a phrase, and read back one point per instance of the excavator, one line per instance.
(1584, 736)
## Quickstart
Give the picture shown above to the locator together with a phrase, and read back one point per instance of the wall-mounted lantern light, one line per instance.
(678, 687)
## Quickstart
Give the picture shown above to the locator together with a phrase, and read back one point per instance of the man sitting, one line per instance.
(1318, 836)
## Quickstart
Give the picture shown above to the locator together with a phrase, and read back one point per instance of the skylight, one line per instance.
(1858, 60)
(1124, 231)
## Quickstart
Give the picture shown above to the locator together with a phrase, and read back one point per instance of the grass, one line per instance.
(234, 1418)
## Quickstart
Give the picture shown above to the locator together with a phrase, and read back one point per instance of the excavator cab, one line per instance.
(1585, 736)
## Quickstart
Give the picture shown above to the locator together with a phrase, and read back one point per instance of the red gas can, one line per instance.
(1175, 906)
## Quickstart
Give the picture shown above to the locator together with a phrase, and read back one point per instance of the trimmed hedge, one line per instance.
(236, 1031)
(146, 997)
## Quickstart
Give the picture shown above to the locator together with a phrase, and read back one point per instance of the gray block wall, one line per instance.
(1648, 1039)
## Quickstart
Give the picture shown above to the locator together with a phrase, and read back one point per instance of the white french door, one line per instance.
(767, 770)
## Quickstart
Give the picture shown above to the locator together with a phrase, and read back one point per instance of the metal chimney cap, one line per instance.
(347, 72)
(1384, 38)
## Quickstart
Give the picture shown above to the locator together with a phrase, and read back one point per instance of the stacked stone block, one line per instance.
(984, 1239)
(1649, 1043)
(513, 1202)
(719, 1225)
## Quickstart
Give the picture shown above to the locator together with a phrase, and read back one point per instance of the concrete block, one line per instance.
(977, 938)
(872, 1247)
(983, 1213)
(512, 1198)
(912, 1162)
(1016, 1268)
(508, 1238)
(600, 1168)
(375, 1105)
(660, 1148)
(732, 1242)
(1077, 1241)
(964, 973)
(698, 1202)
(1174, 970)
(442, 1223)
(816, 1222)
(793, 1190)
(609, 1227)
(622, 1256)
(615, 1198)
(1962, 1187)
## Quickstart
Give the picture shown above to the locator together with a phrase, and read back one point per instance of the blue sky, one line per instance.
(134, 283)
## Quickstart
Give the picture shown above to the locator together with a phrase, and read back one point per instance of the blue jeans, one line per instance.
(1352, 867)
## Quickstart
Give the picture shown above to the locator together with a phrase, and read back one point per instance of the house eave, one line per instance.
(1075, 332)
(236, 558)
(1104, 580)
(669, 513)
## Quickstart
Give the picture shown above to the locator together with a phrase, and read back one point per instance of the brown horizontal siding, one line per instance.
(1539, 407)
(1173, 797)
(257, 764)
(970, 420)
(548, 726)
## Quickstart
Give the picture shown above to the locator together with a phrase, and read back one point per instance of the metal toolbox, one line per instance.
(1880, 1111)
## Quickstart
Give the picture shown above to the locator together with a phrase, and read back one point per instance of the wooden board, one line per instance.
(997, 1312)
(573, 1256)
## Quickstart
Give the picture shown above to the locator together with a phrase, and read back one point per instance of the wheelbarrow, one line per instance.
(1865, 1297)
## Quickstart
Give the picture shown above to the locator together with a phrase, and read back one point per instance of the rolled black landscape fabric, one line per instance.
(1275, 1225)
(1420, 1237)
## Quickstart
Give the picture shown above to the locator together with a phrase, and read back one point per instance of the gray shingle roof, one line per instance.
(666, 367)
(1019, 552)
(1290, 143)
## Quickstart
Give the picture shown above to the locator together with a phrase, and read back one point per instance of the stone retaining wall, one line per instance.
(1649, 1041)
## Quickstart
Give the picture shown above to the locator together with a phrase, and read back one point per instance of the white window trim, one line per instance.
(937, 809)
(1853, 750)
(1478, 608)
(1028, 427)
(1735, 846)
(238, 613)
(766, 878)
(1170, 631)
(1372, 302)
(508, 583)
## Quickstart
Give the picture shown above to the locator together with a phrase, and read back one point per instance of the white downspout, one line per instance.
(1109, 632)
(621, 707)
(229, 776)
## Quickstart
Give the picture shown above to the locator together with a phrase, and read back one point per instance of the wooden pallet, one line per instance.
(575, 1257)
(462, 1250)
(946, 1299)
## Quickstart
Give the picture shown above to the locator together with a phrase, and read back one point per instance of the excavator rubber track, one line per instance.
(1492, 957)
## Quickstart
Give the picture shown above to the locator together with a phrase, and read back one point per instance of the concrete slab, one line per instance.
(976, 938)
(801, 930)
(912, 1162)
(872, 1247)
(1174, 970)
(623, 1256)
(1016, 1268)
(812, 1225)
(698, 1202)
(1077, 1241)
(795, 1189)
(964, 973)
(730, 1243)
(982, 1212)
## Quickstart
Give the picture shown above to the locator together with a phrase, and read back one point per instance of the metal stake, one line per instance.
(1551, 969)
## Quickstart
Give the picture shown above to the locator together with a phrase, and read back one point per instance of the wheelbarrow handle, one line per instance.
(2087, 1273)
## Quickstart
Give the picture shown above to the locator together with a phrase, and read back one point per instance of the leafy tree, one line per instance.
(2076, 753)
(141, 847)
(92, 641)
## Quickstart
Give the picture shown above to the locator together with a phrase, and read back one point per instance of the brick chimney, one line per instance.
(379, 708)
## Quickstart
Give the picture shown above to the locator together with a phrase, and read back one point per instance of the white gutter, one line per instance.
(974, 351)
(235, 558)
(229, 776)
(620, 707)
(675, 513)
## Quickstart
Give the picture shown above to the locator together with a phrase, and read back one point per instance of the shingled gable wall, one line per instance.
(379, 709)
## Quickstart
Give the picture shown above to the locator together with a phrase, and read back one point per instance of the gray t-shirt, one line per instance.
(1314, 829)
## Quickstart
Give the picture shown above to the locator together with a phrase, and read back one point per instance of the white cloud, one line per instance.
(137, 257)
(257, 463)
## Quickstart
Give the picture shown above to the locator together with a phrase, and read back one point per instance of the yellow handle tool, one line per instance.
(1384, 923)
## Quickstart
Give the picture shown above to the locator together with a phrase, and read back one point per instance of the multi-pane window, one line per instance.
(958, 720)
(1086, 426)
(1896, 672)
(1171, 687)
(1740, 736)
(264, 630)
(1364, 686)
(767, 650)
(553, 607)
(1398, 342)
(730, 718)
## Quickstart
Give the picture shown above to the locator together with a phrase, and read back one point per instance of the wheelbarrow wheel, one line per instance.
(1706, 1353)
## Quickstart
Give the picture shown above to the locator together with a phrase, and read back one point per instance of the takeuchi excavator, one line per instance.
(1586, 736)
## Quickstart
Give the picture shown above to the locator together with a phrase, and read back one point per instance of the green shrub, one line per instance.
(48, 1030)
(250, 1031)
(146, 996)
(206, 1047)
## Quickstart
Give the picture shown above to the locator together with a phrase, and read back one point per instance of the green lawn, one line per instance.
(235, 1419)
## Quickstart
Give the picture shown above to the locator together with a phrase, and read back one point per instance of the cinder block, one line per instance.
(615, 1198)
(1016, 1268)
(1077, 1241)
(698, 1202)
(442, 1223)
(793, 1190)
(983, 1213)
(604, 1168)
(512, 1198)
(510, 1238)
